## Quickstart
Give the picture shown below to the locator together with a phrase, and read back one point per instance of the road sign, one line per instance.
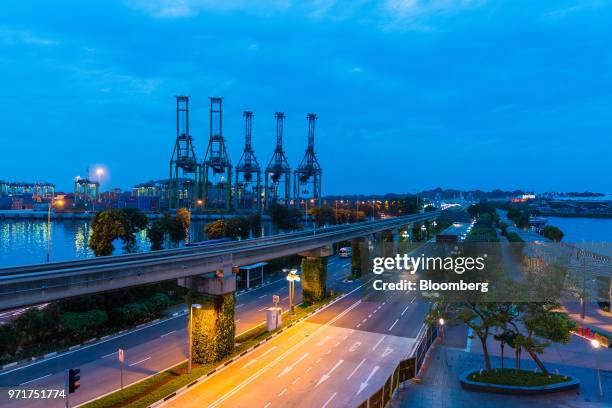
(275, 299)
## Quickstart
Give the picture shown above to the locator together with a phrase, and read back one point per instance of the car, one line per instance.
(345, 252)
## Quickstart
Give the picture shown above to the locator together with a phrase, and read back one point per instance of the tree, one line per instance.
(134, 221)
(553, 233)
(285, 218)
(80, 324)
(112, 224)
(184, 216)
(216, 229)
(106, 227)
(176, 229)
(157, 233)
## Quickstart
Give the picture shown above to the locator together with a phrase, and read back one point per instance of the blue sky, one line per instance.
(410, 94)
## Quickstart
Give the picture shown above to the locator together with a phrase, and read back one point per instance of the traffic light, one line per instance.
(73, 379)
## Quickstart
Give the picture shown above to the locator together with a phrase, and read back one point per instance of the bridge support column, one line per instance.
(314, 274)
(359, 252)
(214, 327)
(396, 240)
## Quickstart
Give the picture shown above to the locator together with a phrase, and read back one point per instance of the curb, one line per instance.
(571, 383)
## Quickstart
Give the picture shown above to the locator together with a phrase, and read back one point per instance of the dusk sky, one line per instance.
(410, 94)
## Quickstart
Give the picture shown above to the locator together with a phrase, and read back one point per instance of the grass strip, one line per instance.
(151, 390)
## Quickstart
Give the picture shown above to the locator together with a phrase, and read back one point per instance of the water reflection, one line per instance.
(24, 242)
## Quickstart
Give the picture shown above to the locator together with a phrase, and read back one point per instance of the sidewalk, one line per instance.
(440, 386)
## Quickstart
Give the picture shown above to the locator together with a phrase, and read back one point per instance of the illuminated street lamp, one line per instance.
(193, 306)
(424, 231)
(595, 344)
(292, 277)
(59, 203)
(442, 336)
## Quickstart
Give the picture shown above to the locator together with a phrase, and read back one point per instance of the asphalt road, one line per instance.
(336, 358)
(148, 350)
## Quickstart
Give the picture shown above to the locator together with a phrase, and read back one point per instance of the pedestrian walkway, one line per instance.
(440, 387)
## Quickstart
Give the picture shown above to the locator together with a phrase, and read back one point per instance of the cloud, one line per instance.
(189, 8)
(409, 14)
(14, 36)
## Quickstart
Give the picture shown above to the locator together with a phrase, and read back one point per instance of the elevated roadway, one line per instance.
(36, 284)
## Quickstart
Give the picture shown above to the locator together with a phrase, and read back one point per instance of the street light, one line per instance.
(193, 306)
(442, 336)
(292, 277)
(595, 344)
(59, 203)
(424, 230)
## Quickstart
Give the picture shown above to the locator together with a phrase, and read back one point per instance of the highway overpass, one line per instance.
(30, 285)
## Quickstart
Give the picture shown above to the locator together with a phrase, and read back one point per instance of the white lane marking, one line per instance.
(308, 369)
(290, 367)
(286, 353)
(240, 305)
(280, 394)
(296, 380)
(370, 315)
(356, 368)
(387, 351)
(405, 310)
(237, 320)
(365, 383)
(345, 337)
(262, 296)
(97, 343)
(337, 344)
(36, 379)
(324, 377)
(358, 325)
(413, 299)
(319, 360)
(285, 298)
(378, 343)
(167, 334)
(252, 361)
(110, 354)
(140, 361)
(267, 405)
(355, 346)
(329, 400)
(323, 341)
(263, 308)
(393, 325)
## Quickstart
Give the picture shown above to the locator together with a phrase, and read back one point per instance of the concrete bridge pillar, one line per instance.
(396, 239)
(314, 273)
(214, 327)
(359, 255)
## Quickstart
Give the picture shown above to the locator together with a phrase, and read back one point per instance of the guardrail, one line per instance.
(406, 369)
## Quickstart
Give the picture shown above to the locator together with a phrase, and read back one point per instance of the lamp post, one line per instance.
(314, 219)
(60, 203)
(99, 173)
(193, 306)
(292, 277)
(595, 344)
(372, 210)
(424, 231)
(442, 336)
